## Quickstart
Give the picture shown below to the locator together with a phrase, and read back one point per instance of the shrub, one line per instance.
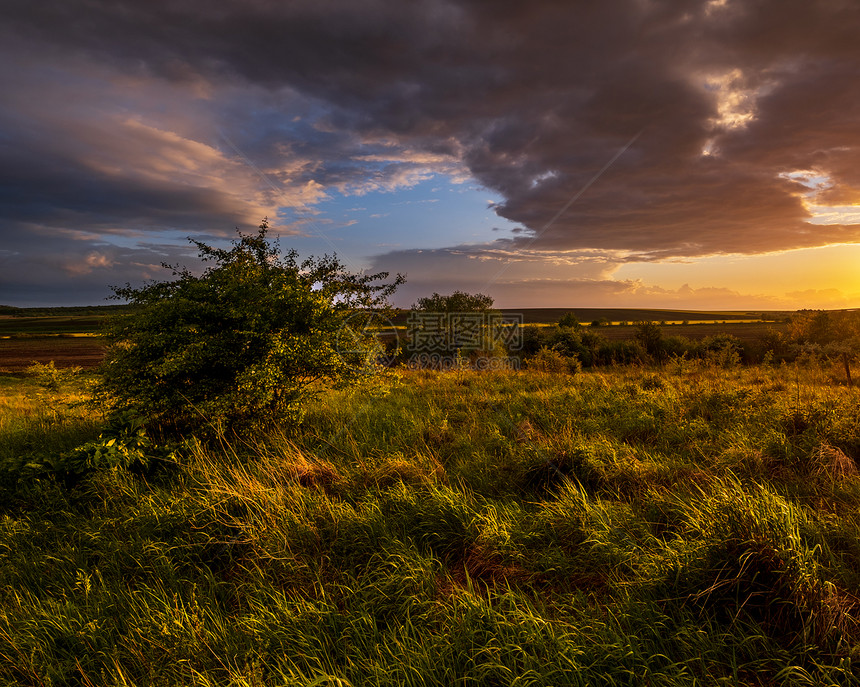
(456, 330)
(246, 342)
(718, 342)
(569, 319)
(122, 444)
(50, 377)
(572, 343)
(674, 346)
(651, 337)
(534, 338)
(621, 353)
(568, 342)
(550, 360)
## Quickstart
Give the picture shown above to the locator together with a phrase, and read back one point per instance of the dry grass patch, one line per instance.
(832, 462)
(420, 470)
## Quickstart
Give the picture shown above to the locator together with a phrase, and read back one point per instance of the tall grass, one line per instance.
(690, 525)
(42, 415)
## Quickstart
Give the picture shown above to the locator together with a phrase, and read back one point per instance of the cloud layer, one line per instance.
(127, 124)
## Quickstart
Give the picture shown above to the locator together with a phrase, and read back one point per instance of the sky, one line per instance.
(552, 153)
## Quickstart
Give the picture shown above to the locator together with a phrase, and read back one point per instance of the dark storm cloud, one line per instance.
(93, 158)
(84, 132)
(74, 269)
(720, 103)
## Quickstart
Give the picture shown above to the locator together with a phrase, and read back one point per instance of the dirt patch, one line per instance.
(16, 355)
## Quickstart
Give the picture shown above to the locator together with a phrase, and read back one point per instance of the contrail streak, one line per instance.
(565, 207)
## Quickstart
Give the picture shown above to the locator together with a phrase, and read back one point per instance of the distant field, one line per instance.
(71, 339)
(746, 326)
(700, 324)
(589, 315)
(68, 340)
(17, 354)
(66, 311)
(74, 324)
(615, 315)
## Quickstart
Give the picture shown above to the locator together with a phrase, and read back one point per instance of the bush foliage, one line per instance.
(245, 342)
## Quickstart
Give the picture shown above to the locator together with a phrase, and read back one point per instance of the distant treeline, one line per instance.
(606, 316)
(64, 311)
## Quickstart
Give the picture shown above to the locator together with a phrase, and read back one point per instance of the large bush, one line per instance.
(245, 342)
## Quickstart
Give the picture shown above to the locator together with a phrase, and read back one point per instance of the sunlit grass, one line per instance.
(685, 525)
(42, 417)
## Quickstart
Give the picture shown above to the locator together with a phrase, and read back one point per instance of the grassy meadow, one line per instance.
(689, 524)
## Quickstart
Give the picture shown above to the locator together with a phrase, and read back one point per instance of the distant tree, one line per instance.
(622, 352)
(455, 326)
(651, 337)
(244, 343)
(569, 319)
(459, 301)
(836, 333)
(672, 346)
(813, 327)
(568, 342)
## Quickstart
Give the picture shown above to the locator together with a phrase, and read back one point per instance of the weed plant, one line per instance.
(695, 524)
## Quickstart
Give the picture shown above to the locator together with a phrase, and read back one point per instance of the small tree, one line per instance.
(455, 326)
(244, 343)
(459, 301)
(837, 333)
(651, 337)
(569, 319)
